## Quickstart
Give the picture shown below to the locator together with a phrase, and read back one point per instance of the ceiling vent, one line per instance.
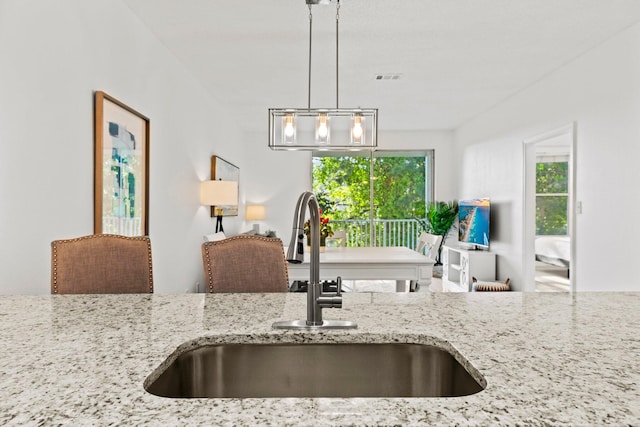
(388, 76)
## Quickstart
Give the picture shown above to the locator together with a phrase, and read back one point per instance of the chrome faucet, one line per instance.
(316, 299)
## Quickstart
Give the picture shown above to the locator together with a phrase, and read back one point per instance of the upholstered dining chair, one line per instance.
(245, 263)
(101, 264)
(428, 245)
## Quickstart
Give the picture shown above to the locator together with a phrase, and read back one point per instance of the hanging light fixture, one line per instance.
(323, 128)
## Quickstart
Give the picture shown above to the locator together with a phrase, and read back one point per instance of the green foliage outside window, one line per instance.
(342, 186)
(399, 187)
(552, 187)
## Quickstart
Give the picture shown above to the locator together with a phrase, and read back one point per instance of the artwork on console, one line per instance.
(225, 171)
(121, 168)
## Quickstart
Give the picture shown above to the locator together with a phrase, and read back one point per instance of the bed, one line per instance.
(553, 250)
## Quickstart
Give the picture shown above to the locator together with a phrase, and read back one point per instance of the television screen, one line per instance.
(473, 222)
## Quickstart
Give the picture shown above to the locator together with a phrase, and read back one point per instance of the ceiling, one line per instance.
(455, 58)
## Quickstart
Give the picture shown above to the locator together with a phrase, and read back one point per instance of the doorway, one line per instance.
(549, 211)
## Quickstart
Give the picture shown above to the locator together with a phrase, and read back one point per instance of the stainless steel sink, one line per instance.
(314, 370)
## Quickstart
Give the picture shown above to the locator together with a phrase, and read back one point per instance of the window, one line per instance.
(552, 195)
(382, 214)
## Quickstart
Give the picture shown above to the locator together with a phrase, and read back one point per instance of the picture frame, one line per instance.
(121, 168)
(225, 171)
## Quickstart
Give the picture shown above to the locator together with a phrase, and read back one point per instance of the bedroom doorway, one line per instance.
(549, 214)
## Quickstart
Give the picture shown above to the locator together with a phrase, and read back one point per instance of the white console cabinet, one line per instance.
(460, 265)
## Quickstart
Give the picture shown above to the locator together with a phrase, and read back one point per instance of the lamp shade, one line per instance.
(255, 212)
(219, 193)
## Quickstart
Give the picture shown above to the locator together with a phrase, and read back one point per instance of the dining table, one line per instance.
(397, 263)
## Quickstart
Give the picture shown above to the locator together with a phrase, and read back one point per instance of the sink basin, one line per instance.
(314, 370)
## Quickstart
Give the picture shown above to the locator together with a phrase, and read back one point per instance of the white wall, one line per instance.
(277, 178)
(274, 179)
(53, 56)
(601, 92)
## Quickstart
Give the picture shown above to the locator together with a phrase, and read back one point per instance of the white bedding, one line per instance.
(553, 250)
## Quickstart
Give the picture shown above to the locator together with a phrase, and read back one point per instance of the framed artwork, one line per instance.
(121, 168)
(221, 169)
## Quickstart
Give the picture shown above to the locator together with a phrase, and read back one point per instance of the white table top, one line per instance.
(370, 255)
(368, 263)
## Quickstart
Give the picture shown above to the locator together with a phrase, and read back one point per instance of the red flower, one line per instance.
(325, 228)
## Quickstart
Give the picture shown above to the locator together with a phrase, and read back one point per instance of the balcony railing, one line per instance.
(386, 232)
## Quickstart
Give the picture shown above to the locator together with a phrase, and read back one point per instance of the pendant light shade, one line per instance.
(358, 134)
(288, 129)
(322, 128)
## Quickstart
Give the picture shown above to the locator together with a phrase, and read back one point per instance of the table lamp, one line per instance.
(218, 194)
(255, 213)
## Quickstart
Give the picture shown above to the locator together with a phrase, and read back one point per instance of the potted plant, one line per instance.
(325, 231)
(441, 217)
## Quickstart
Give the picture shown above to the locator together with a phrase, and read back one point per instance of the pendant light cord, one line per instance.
(309, 88)
(337, 54)
(337, 45)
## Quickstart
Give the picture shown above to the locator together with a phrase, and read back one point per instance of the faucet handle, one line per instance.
(339, 286)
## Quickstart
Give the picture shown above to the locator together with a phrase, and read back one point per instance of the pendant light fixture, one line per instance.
(323, 128)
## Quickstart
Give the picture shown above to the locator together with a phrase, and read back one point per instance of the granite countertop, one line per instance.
(548, 359)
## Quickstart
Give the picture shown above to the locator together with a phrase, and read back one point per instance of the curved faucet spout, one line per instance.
(295, 253)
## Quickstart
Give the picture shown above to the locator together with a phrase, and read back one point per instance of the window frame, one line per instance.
(428, 154)
(556, 159)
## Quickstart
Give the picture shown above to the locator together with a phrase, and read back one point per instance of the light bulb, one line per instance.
(322, 129)
(357, 130)
(288, 130)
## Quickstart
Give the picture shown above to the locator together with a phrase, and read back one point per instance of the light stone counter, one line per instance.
(548, 359)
